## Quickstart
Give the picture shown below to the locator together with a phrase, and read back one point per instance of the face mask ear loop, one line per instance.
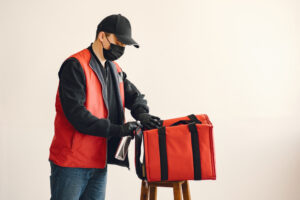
(108, 42)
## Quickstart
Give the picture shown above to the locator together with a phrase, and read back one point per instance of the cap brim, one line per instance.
(127, 40)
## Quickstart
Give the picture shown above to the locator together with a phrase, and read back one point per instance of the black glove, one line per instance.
(149, 121)
(122, 130)
(128, 128)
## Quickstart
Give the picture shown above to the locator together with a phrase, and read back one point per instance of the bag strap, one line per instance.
(192, 117)
(196, 151)
(163, 153)
(138, 143)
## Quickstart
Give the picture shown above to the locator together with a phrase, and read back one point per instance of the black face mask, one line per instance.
(114, 52)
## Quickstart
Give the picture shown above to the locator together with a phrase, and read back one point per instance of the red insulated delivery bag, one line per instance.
(181, 149)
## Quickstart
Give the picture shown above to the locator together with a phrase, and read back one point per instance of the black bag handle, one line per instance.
(192, 117)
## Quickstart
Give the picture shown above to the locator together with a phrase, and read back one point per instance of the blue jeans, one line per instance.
(69, 183)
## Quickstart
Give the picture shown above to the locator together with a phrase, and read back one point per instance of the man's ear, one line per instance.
(100, 36)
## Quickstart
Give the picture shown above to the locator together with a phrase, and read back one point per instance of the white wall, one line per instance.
(237, 61)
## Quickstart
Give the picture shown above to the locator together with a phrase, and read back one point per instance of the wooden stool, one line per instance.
(179, 188)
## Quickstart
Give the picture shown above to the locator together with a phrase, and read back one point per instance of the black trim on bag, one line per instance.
(196, 151)
(163, 153)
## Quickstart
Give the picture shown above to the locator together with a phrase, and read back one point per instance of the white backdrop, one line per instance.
(237, 61)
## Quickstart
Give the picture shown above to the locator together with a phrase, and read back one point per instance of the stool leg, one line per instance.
(144, 190)
(177, 191)
(153, 192)
(186, 191)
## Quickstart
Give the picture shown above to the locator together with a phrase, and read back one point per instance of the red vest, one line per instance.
(70, 148)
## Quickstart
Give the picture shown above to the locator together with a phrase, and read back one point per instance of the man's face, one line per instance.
(110, 39)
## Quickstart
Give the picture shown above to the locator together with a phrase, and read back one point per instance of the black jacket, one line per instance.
(72, 96)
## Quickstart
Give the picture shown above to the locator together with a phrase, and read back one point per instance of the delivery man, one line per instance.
(92, 94)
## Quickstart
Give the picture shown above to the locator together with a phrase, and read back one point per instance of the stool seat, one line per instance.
(180, 188)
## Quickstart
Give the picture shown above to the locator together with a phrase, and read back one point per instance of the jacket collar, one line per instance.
(95, 64)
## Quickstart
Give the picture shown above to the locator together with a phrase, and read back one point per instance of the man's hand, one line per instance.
(128, 128)
(149, 121)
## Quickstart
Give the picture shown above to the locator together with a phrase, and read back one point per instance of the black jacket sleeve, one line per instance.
(72, 87)
(134, 99)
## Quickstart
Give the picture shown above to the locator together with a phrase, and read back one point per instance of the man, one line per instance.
(90, 104)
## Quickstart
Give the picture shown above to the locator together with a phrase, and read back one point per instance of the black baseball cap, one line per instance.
(120, 26)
